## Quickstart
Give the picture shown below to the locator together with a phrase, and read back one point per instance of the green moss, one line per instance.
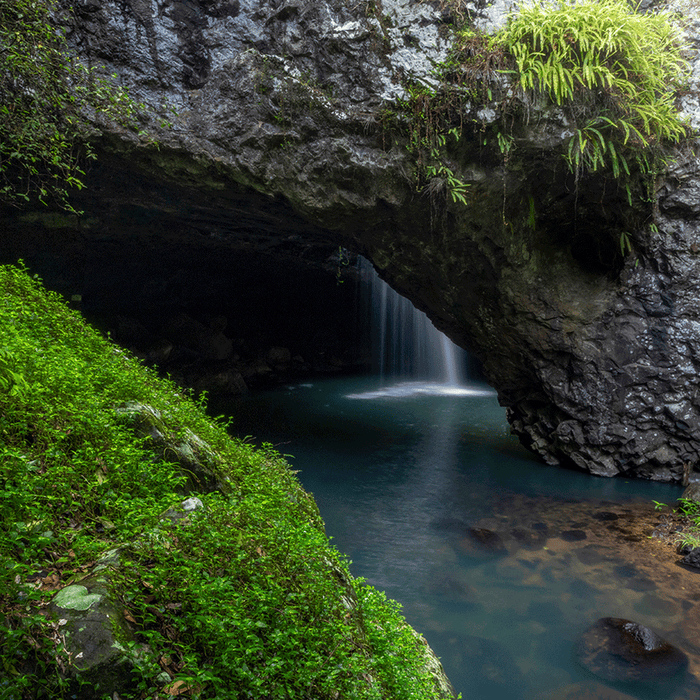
(50, 220)
(242, 597)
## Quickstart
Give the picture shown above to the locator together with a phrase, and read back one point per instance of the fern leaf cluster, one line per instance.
(622, 65)
(615, 73)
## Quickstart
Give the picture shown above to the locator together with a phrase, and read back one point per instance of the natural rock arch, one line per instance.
(264, 127)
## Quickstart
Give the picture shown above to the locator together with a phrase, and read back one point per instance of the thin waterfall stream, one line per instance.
(405, 343)
(411, 355)
(410, 464)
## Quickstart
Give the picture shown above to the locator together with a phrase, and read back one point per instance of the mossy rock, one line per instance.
(196, 458)
(95, 637)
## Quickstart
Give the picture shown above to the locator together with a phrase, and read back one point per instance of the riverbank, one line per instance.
(121, 498)
(197, 563)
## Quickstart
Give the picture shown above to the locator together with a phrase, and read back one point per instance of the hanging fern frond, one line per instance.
(568, 50)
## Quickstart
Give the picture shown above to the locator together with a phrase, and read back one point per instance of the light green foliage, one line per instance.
(599, 44)
(244, 598)
(615, 69)
(690, 510)
(456, 188)
(45, 96)
(11, 381)
(613, 72)
(625, 243)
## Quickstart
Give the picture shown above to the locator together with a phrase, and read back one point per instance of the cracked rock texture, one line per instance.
(266, 135)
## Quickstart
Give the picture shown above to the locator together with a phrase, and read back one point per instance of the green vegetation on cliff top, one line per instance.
(244, 598)
(617, 70)
(47, 98)
(612, 73)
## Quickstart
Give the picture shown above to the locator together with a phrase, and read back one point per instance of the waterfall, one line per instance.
(410, 355)
(405, 344)
(450, 354)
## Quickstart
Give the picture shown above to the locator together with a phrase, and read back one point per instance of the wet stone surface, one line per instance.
(692, 558)
(481, 541)
(622, 650)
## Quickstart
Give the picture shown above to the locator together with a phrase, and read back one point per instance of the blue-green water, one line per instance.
(399, 477)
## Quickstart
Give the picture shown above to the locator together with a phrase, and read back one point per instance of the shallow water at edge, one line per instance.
(400, 473)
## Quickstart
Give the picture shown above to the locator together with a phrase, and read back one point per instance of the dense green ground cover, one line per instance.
(246, 599)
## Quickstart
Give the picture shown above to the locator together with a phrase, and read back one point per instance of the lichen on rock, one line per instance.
(76, 598)
(93, 633)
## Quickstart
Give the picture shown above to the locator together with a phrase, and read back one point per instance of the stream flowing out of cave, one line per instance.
(407, 465)
(399, 480)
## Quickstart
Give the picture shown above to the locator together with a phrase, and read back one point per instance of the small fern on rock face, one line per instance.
(616, 68)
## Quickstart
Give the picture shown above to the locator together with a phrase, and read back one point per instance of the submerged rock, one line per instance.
(489, 668)
(482, 542)
(621, 650)
(451, 584)
(585, 691)
(605, 516)
(532, 538)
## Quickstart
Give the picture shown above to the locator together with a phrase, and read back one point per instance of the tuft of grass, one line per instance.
(245, 598)
(690, 511)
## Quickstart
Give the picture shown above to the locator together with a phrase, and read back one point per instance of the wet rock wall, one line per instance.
(266, 130)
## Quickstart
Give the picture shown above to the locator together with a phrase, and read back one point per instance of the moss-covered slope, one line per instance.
(235, 595)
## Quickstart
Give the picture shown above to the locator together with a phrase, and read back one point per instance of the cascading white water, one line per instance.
(410, 355)
(405, 343)
(452, 366)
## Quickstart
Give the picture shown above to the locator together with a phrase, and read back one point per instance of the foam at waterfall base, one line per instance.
(406, 389)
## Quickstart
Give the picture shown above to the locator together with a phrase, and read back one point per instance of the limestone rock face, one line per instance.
(267, 132)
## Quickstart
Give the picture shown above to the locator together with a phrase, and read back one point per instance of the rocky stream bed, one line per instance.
(622, 553)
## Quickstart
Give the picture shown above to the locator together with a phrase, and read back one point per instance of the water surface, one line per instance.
(401, 472)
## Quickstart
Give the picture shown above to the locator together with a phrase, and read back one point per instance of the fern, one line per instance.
(623, 66)
(614, 72)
